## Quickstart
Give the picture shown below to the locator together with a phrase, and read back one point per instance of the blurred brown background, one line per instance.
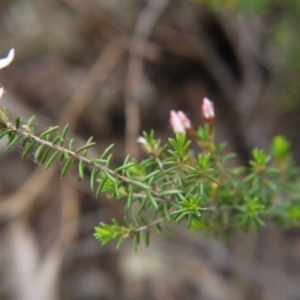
(112, 68)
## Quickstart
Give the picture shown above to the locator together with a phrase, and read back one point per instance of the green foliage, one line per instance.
(254, 6)
(174, 184)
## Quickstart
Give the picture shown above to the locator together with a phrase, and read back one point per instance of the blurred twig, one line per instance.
(108, 58)
(106, 27)
(21, 201)
(145, 22)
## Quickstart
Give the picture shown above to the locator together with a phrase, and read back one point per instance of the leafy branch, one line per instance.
(174, 184)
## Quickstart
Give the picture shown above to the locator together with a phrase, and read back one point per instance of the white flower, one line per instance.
(4, 62)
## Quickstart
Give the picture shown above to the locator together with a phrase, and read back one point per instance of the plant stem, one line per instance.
(78, 157)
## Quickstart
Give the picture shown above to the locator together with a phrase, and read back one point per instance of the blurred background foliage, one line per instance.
(78, 63)
(281, 20)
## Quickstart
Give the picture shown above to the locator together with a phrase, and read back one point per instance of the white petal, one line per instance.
(4, 62)
(1, 91)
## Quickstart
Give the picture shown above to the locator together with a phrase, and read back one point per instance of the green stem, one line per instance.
(78, 157)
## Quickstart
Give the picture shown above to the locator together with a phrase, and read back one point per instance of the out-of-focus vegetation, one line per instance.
(76, 64)
(281, 21)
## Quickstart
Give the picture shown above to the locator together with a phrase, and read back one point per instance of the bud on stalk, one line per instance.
(208, 111)
(180, 122)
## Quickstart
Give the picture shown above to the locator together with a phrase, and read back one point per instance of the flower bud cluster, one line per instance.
(180, 123)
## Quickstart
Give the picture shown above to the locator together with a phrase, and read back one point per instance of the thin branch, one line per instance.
(78, 157)
(107, 60)
(145, 227)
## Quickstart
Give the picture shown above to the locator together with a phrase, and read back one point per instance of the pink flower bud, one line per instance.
(176, 122)
(208, 110)
(185, 121)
